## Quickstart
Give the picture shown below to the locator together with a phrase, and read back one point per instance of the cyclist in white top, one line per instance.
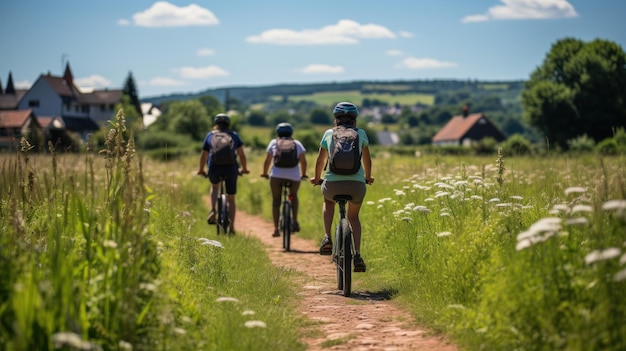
(277, 175)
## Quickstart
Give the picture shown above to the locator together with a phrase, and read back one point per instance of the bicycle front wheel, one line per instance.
(347, 256)
(222, 214)
(286, 225)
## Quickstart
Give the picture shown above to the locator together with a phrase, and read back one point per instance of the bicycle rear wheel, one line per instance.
(346, 263)
(222, 214)
(286, 223)
(338, 256)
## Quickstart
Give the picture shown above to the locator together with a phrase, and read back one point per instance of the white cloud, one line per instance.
(165, 82)
(344, 32)
(320, 68)
(405, 34)
(93, 81)
(23, 84)
(424, 63)
(525, 9)
(201, 72)
(123, 22)
(164, 14)
(394, 53)
(205, 52)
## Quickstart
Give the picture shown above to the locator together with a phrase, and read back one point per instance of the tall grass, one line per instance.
(103, 251)
(499, 253)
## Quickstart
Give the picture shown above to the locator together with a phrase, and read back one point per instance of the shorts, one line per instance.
(353, 188)
(229, 173)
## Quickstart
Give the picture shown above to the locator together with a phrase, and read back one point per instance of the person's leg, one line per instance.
(355, 224)
(293, 191)
(231, 191)
(328, 212)
(231, 211)
(276, 189)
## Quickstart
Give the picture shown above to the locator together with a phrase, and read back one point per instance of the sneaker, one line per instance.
(295, 227)
(231, 230)
(211, 218)
(359, 264)
(327, 247)
(276, 233)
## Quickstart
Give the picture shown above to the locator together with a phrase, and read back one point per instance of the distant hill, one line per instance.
(507, 90)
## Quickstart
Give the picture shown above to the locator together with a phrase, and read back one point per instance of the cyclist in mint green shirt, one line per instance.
(334, 184)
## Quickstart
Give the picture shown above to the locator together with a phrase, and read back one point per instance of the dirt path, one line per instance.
(365, 321)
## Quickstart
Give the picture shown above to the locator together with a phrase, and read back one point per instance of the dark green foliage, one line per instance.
(579, 88)
(130, 90)
(516, 144)
(320, 116)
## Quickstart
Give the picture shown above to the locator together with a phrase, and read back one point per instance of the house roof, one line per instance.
(101, 97)
(10, 101)
(14, 119)
(457, 127)
(61, 87)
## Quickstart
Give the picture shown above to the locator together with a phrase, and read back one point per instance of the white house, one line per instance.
(82, 112)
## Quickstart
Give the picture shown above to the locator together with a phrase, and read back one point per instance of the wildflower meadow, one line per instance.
(107, 250)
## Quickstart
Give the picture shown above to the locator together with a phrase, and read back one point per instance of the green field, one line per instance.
(331, 98)
(109, 250)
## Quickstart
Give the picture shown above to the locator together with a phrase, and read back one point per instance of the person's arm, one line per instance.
(303, 165)
(266, 165)
(367, 164)
(242, 160)
(319, 165)
(203, 159)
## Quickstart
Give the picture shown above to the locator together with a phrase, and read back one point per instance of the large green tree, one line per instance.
(579, 89)
(189, 118)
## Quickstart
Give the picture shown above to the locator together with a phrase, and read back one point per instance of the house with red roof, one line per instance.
(466, 129)
(82, 112)
(16, 124)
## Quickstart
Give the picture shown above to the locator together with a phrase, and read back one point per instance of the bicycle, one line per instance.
(285, 221)
(343, 250)
(223, 219)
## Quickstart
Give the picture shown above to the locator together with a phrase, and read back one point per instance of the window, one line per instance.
(84, 108)
(33, 103)
(103, 108)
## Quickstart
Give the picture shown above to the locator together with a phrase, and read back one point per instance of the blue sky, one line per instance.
(181, 46)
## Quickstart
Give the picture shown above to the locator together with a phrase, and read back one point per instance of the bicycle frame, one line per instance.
(286, 216)
(223, 219)
(343, 250)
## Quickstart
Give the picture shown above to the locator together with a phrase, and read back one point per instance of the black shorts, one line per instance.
(229, 173)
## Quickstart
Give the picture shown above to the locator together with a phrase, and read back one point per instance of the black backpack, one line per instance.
(286, 155)
(344, 156)
(222, 149)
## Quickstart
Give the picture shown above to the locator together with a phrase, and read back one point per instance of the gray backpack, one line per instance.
(344, 155)
(222, 149)
(286, 155)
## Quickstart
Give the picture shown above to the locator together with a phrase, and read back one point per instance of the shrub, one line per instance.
(517, 144)
(607, 147)
(581, 143)
(150, 140)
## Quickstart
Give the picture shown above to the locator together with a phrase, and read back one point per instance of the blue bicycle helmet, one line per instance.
(222, 119)
(284, 129)
(346, 109)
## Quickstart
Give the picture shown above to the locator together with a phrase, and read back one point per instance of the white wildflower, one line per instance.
(248, 313)
(523, 244)
(441, 193)
(110, 244)
(506, 204)
(582, 208)
(398, 213)
(379, 207)
(622, 259)
(561, 208)
(226, 299)
(255, 324)
(429, 199)
(476, 197)
(575, 189)
(614, 205)
(495, 199)
(407, 219)
(400, 193)
(422, 209)
(180, 331)
(215, 243)
(444, 214)
(125, 345)
(442, 234)
(601, 255)
(619, 276)
(385, 199)
(370, 202)
(516, 197)
(577, 221)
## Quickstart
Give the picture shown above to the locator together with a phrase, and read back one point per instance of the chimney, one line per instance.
(465, 110)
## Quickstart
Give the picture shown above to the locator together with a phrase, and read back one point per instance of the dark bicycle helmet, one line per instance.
(284, 129)
(222, 119)
(346, 109)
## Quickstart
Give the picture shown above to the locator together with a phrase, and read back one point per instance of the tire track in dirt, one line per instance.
(364, 321)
